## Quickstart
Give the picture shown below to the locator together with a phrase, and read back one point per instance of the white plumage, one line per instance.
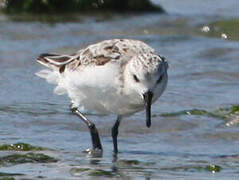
(110, 77)
(96, 77)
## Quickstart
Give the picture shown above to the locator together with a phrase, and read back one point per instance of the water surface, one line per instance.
(203, 74)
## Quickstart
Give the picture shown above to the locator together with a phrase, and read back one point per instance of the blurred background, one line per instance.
(194, 133)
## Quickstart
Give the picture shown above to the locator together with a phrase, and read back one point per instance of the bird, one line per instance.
(116, 76)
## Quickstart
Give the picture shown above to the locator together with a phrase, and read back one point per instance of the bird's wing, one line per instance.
(114, 51)
(55, 60)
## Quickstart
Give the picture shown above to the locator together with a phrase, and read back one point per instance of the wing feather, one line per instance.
(55, 60)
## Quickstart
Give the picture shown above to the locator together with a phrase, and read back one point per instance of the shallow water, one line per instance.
(203, 74)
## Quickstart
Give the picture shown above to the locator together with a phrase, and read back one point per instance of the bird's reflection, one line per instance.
(95, 157)
(119, 167)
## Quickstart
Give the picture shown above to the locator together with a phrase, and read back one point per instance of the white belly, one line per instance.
(98, 89)
(108, 102)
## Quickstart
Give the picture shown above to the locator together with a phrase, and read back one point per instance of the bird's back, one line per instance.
(91, 76)
(115, 50)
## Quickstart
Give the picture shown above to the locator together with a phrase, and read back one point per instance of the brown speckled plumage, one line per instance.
(108, 51)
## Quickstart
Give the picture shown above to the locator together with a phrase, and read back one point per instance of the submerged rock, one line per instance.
(198, 112)
(194, 168)
(101, 173)
(225, 29)
(15, 159)
(222, 113)
(213, 168)
(79, 171)
(9, 176)
(2, 174)
(20, 147)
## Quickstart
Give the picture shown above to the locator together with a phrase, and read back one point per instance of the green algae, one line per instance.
(197, 112)
(186, 112)
(78, 171)
(235, 109)
(213, 168)
(2, 174)
(228, 111)
(101, 172)
(15, 159)
(222, 113)
(92, 172)
(194, 168)
(229, 27)
(20, 147)
(7, 178)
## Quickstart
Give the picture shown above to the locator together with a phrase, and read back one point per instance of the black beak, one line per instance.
(148, 100)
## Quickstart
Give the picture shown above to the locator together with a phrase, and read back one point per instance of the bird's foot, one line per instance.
(96, 152)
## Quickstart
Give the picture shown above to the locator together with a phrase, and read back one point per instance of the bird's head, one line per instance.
(146, 76)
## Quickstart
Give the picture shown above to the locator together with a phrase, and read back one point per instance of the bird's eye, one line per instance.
(136, 78)
(160, 79)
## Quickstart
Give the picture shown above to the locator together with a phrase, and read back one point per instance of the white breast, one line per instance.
(98, 88)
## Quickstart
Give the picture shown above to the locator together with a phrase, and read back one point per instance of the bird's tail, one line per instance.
(54, 61)
(55, 66)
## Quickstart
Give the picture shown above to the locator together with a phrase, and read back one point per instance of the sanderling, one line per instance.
(118, 76)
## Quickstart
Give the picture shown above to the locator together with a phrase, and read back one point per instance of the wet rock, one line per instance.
(53, 6)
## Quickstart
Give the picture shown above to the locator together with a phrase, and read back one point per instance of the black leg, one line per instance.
(114, 133)
(93, 131)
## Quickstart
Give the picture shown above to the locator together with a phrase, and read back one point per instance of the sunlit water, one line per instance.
(203, 74)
